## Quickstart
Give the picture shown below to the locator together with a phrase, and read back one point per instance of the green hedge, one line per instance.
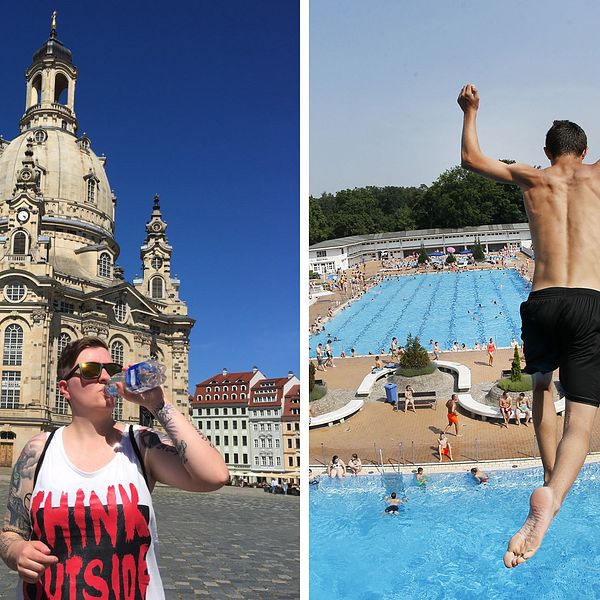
(318, 392)
(414, 372)
(524, 385)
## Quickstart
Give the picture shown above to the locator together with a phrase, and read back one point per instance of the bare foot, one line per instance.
(524, 544)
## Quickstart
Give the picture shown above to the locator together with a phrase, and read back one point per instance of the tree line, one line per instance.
(457, 198)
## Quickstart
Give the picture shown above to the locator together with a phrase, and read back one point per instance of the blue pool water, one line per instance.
(463, 306)
(449, 540)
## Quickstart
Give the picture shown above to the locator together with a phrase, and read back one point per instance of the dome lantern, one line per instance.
(50, 95)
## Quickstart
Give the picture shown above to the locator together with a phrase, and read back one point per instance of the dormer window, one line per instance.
(91, 191)
(104, 265)
(91, 187)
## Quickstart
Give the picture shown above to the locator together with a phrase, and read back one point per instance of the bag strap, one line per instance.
(41, 458)
(136, 449)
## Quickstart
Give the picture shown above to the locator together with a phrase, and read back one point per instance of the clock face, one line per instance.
(156, 226)
(23, 216)
(156, 262)
(25, 174)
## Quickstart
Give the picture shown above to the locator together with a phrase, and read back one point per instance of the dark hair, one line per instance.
(69, 355)
(393, 494)
(420, 470)
(566, 137)
(474, 470)
(334, 457)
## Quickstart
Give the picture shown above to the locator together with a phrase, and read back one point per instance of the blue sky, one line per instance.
(198, 102)
(385, 75)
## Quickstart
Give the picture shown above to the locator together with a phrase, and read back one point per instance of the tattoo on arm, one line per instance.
(181, 448)
(151, 439)
(163, 415)
(17, 518)
(205, 439)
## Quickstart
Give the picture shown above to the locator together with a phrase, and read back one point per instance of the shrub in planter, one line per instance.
(415, 356)
(525, 384)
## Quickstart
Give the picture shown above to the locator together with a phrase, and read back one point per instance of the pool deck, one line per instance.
(377, 426)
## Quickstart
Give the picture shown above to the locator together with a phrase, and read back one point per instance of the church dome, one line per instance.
(73, 181)
(55, 48)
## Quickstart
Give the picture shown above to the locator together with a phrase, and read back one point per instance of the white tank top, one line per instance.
(101, 525)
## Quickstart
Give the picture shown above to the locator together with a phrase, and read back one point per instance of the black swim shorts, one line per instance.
(392, 508)
(561, 329)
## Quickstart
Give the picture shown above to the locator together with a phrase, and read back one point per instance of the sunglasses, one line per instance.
(93, 370)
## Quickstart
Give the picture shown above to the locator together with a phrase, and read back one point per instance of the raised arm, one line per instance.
(184, 457)
(471, 156)
(29, 558)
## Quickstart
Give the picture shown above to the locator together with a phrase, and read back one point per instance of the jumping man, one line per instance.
(561, 318)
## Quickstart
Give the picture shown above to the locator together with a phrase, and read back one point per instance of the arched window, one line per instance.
(157, 288)
(61, 406)
(104, 265)
(117, 353)
(36, 91)
(91, 190)
(20, 243)
(61, 85)
(13, 345)
(120, 311)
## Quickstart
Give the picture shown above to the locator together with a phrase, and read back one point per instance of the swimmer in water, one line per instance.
(420, 476)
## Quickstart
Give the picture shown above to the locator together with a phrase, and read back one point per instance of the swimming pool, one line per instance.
(467, 306)
(449, 540)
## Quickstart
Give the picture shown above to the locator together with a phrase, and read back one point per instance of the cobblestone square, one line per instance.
(242, 544)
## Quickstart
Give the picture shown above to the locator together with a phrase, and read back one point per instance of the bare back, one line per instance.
(563, 207)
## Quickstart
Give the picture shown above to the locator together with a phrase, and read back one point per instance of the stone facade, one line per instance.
(58, 274)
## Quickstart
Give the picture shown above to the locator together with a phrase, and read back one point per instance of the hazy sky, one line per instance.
(196, 101)
(385, 75)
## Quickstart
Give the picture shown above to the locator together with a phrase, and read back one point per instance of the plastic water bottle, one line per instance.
(138, 378)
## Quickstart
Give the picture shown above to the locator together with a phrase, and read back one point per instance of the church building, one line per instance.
(59, 278)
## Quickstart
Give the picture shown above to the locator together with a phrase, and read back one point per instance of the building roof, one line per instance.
(223, 379)
(220, 379)
(291, 402)
(267, 387)
(55, 48)
(373, 237)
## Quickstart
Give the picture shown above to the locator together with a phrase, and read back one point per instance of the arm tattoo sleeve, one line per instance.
(17, 518)
(164, 416)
